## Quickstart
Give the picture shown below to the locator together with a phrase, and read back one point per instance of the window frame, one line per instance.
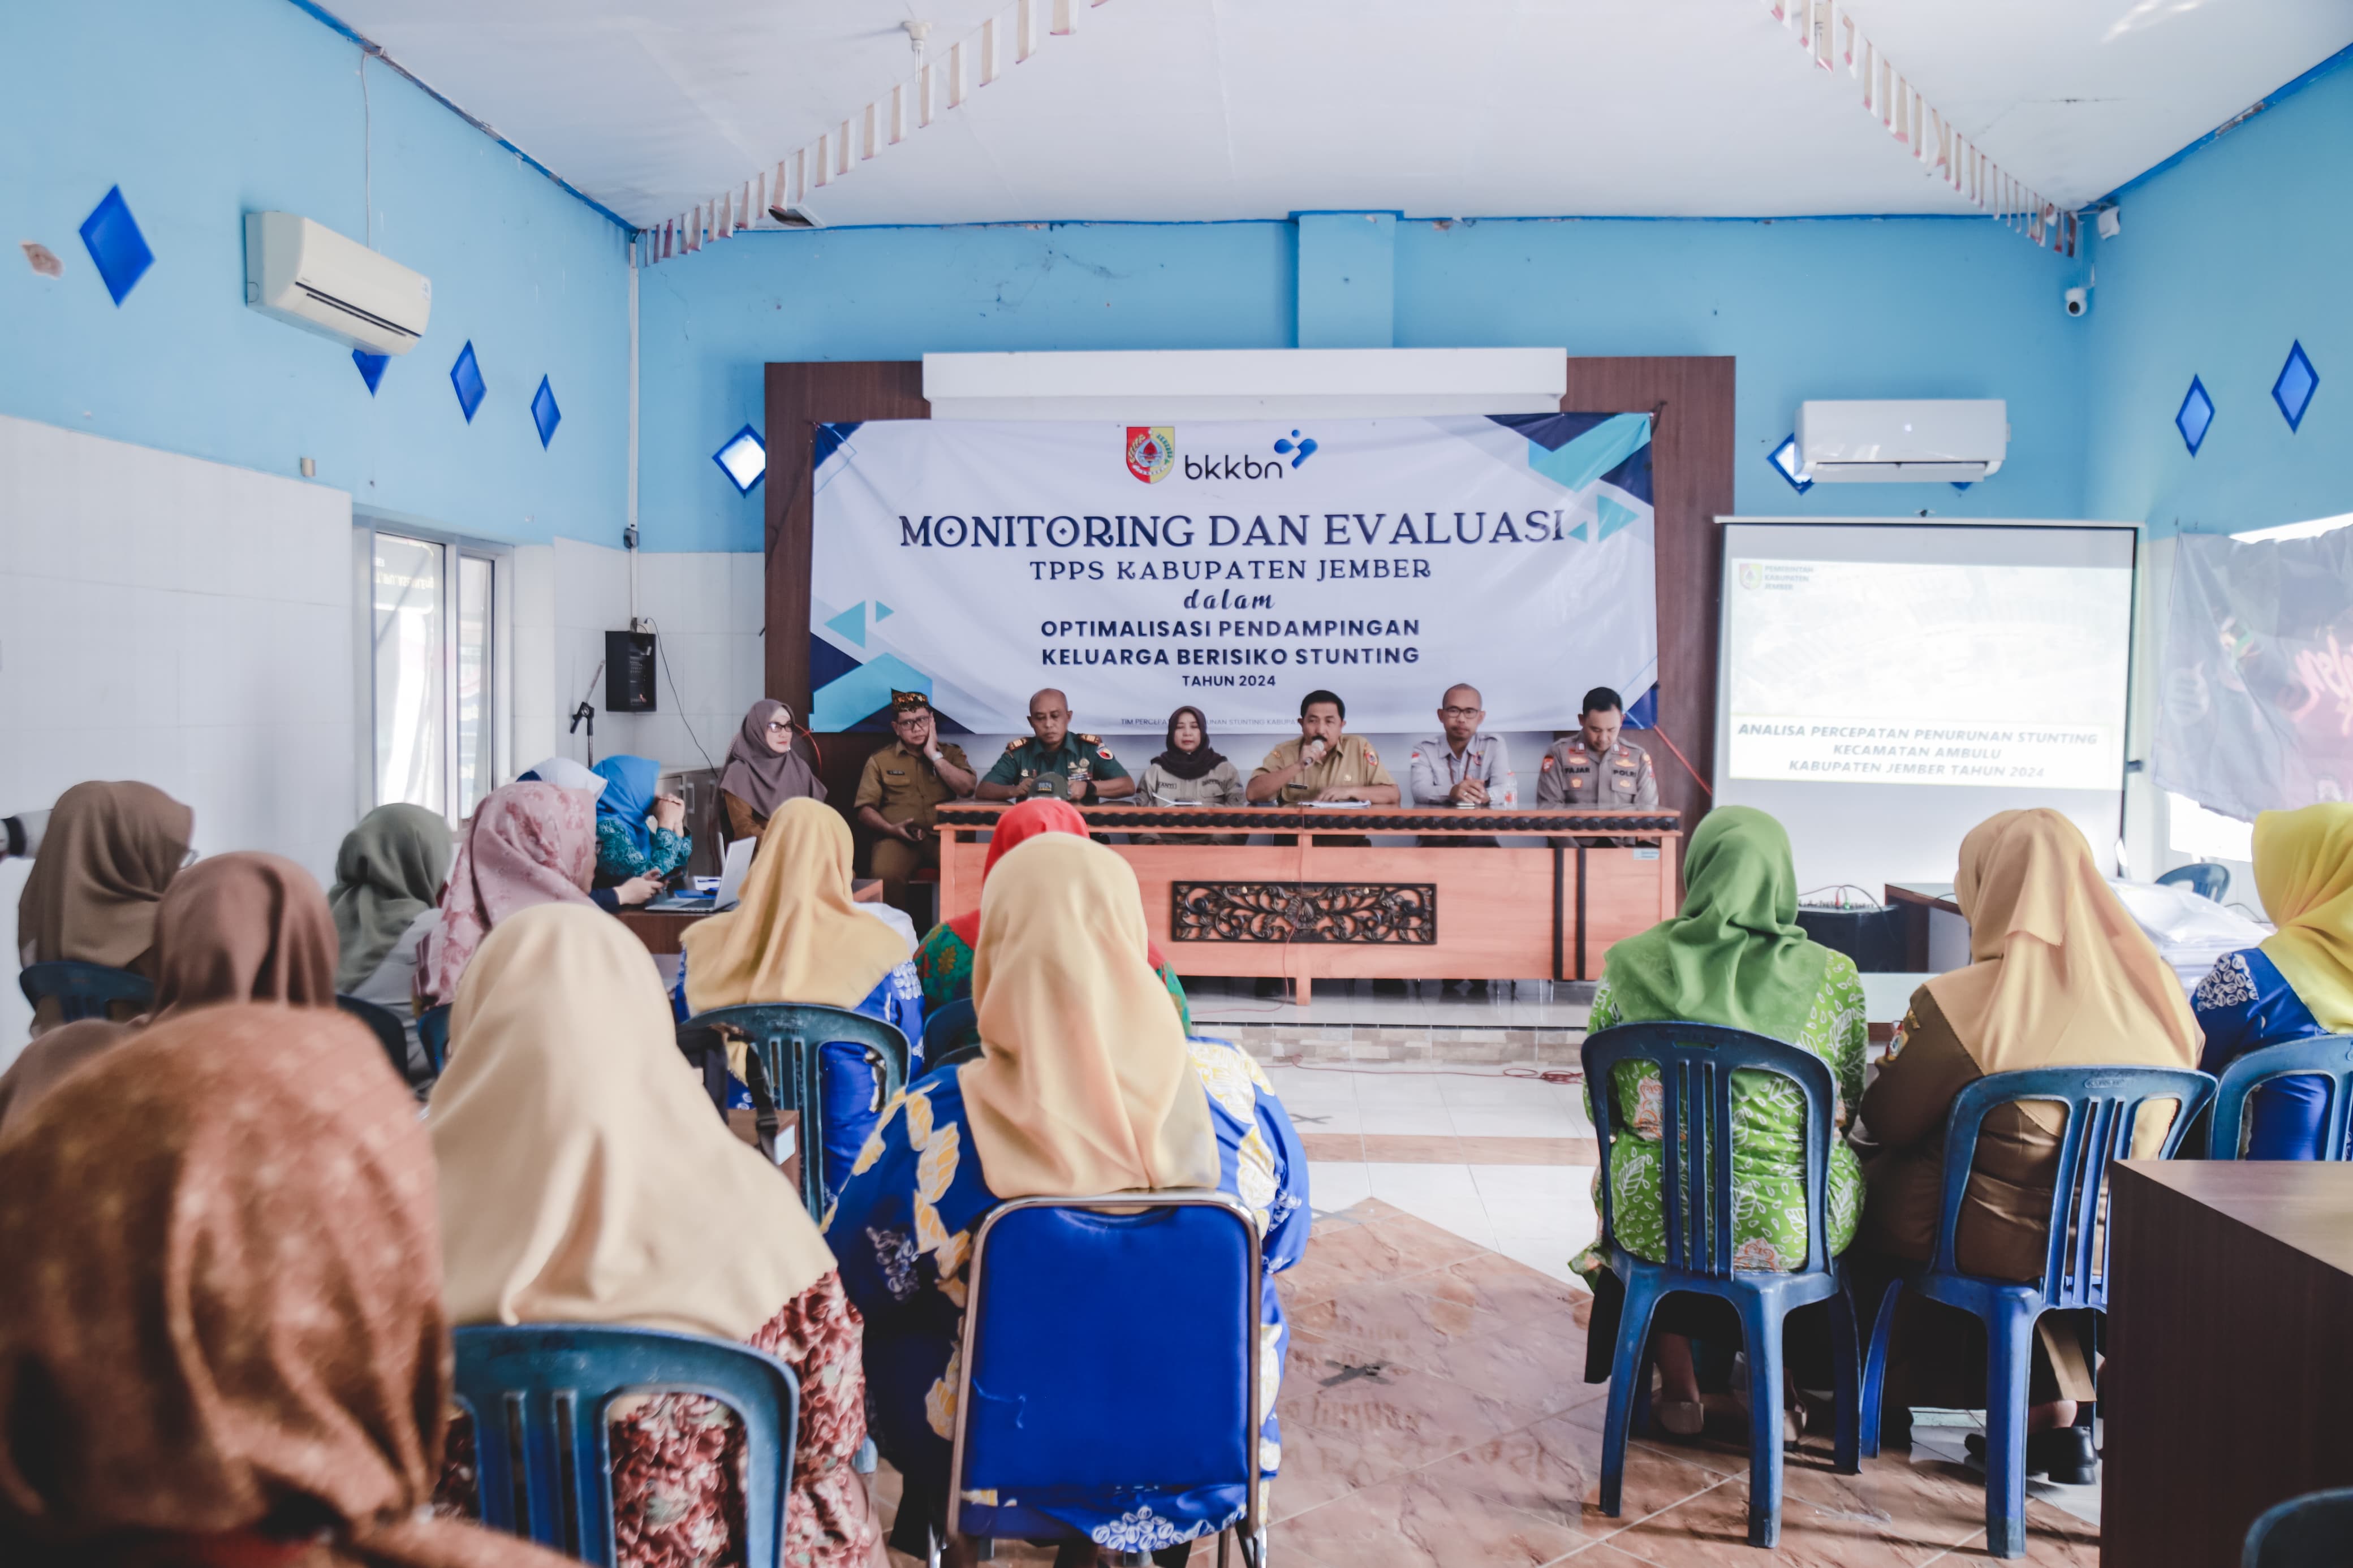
(498, 760)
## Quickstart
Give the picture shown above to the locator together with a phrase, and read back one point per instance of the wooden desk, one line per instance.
(1305, 912)
(660, 929)
(2230, 1342)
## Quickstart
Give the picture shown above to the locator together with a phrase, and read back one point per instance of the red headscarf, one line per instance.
(1042, 814)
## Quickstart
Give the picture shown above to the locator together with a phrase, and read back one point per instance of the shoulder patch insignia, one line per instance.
(1090, 740)
(1545, 766)
(1012, 746)
(1104, 752)
(1371, 755)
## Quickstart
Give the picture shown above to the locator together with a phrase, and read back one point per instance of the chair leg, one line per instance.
(1847, 1455)
(2008, 1355)
(1630, 1365)
(1761, 1329)
(1874, 1371)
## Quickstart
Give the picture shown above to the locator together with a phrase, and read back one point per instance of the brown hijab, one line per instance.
(221, 1331)
(760, 778)
(109, 851)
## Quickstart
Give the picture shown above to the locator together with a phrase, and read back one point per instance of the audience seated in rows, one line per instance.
(527, 844)
(1086, 1084)
(241, 927)
(222, 1332)
(107, 856)
(584, 1179)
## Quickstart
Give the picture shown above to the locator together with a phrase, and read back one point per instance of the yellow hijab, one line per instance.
(585, 1177)
(2304, 871)
(2059, 975)
(798, 935)
(1084, 1084)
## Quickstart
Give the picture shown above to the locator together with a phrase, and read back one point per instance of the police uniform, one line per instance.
(1573, 776)
(904, 786)
(1435, 769)
(1077, 757)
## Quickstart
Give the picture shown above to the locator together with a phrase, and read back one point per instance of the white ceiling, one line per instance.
(1254, 108)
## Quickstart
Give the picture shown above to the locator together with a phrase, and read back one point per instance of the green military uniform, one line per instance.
(1350, 764)
(904, 787)
(1077, 757)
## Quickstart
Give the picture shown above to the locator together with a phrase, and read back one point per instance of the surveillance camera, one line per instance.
(2078, 301)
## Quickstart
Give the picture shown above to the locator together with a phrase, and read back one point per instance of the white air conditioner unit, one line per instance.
(306, 273)
(1883, 443)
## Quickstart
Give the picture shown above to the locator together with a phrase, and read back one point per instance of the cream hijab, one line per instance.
(798, 936)
(1084, 1084)
(2061, 976)
(585, 1177)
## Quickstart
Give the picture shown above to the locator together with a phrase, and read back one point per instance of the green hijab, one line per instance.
(390, 871)
(1736, 955)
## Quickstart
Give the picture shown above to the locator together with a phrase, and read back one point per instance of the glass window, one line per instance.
(474, 579)
(409, 706)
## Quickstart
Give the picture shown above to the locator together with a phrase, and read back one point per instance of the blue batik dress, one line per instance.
(2244, 1004)
(903, 1229)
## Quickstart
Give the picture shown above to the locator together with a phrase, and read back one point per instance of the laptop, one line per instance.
(731, 874)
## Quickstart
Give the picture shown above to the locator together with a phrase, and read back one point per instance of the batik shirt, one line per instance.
(903, 1229)
(1768, 1155)
(619, 858)
(2244, 1004)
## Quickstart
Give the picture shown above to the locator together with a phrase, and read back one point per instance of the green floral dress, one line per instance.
(1769, 1121)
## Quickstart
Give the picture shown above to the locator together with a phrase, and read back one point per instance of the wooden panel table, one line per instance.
(1292, 907)
(2230, 1340)
(660, 929)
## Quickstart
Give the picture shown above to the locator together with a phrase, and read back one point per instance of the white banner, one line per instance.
(1236, 566)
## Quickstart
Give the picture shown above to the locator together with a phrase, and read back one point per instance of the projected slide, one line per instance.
(1928, 673)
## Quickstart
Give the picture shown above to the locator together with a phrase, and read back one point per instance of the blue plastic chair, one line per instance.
(2100, 1102)
(385, 1026)
(83, 990)
(433, 1033)
(1696, 1063)
(541, 1391)
(2202, 877)
(2315, 1530)
(950, 1036)
(2327, 1056)
(790, 1037)
(1051, 1386)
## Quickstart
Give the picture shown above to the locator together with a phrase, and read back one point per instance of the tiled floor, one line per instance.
(1523, 1004)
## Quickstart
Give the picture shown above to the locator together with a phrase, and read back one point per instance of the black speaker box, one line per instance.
(1871, 937)
(628, 673)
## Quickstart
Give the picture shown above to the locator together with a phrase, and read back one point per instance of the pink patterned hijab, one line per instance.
(527, 844)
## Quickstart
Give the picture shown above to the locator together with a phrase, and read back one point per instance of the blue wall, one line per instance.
(1840, 307)
(204, 112)
(2222, 262)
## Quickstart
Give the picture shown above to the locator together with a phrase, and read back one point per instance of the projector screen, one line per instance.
(1885, 687)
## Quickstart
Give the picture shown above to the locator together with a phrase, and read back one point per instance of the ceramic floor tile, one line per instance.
(1515, 1122)
(1415, 1118)
(1336, 1185)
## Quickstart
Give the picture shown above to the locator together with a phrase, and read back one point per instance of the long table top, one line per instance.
(1118, 817)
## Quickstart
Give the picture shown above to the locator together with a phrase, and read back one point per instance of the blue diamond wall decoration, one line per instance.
(2197, 415)
(2296, 384)
(467, 377)
(115, 244)
(371, 367)
(545, 414)
(1784, 459)
(743, 460)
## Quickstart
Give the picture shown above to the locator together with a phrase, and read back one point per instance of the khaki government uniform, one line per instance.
(904, 787)
(1352, 763)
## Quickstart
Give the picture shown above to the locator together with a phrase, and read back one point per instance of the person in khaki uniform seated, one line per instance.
(903, 786)
(1595, 769)
(1324, 763)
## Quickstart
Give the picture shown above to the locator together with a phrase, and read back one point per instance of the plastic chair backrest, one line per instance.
(1695, 1063)
(789, 1036)
(2202, 877)
(2307, 1531)
(540, 1391)
(386, 1028)
(2101, 1102)
(950, 1036)
(1052, 1385)
(433, 1033)
(2327, 1056)
(83, 990)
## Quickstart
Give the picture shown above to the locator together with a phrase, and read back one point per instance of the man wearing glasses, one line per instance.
(900, 793)
(1056, 761)
(1460, 766)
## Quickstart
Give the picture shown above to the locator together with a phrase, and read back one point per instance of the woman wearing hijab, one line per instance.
(798, 936)
(1087, 1085)
(109, 852)
(763, 770)
(245, 927)
(2298, 982)
(1736, 956)
(584, 1180)
(944, 962)
(640, 833)
(526, 844)
(1189, 772)
(221, 1333)
(386, 900)
(2059, 975)
(565, 772)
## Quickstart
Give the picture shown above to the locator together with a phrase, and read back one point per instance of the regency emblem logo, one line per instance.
(1151, 451)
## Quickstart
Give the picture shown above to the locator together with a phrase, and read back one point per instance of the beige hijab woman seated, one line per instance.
(586, 1179)
(245, 927)
(2060, 976)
